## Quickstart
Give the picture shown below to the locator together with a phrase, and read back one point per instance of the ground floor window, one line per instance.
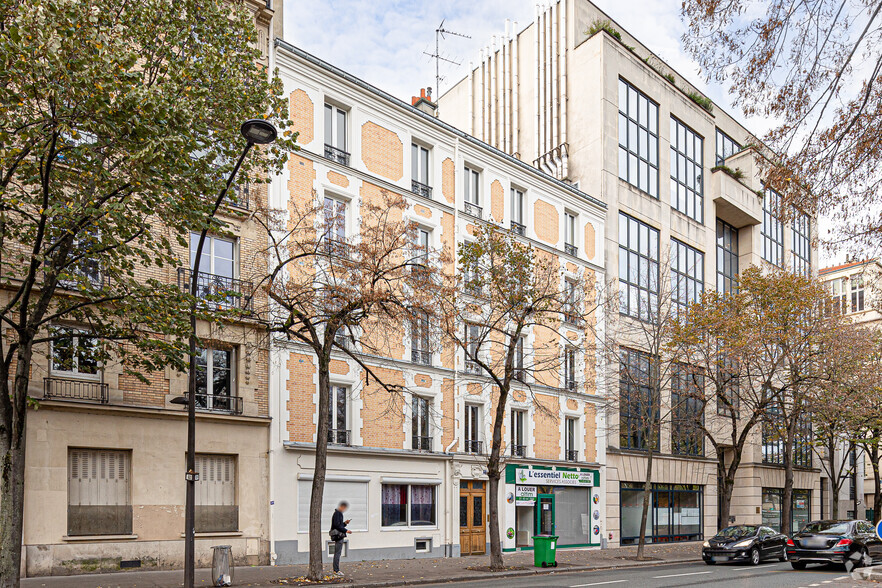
(675, 512)
(355, 492)
(572, 517)
(800, 509)
(408, 505)
(99, 492)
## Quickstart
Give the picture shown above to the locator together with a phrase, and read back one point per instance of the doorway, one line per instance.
(545, 514)
(472, 518)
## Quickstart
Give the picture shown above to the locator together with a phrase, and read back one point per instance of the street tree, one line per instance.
(118, 118)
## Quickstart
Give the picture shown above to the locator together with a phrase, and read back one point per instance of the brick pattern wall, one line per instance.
(448, 181)
(546, 434)
(338, 179)
(303, 116)
(301, 405)
(382, 151)
(590, 432)
(546, 221)
(497, 201)
(382, 413)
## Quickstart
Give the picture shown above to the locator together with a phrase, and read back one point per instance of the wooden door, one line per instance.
(472, 517)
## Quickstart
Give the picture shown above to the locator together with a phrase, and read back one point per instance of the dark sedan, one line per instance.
(850, 543)
(748, 543)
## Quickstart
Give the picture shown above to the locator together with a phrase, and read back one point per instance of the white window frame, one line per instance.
(209, 254)
(518, 425)
(75, 334)
(421, 154)
(571, 422)
(333, 123)
(473, 424)
(338, 392)
(571, 222)
(410, 526)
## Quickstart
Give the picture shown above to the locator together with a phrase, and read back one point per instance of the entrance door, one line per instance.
(545, 514)
(472, 518)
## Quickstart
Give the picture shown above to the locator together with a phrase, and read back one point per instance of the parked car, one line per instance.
(750, 543)
(837, 542)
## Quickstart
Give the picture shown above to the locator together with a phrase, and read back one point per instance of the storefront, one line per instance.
(800, 509)
(551, 501)
(675, 512)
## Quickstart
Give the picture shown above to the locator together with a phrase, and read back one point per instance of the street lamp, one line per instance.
(256, 132)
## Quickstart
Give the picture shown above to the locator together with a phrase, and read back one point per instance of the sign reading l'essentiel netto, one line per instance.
(554, 477)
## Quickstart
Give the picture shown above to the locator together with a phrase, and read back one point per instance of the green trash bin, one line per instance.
(545, 551)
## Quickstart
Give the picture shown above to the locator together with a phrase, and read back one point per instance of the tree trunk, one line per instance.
(316, 539)
(493, 474)
(877, 488)
(834, 486)
(647, 497)
(787, 496)
(725, 487)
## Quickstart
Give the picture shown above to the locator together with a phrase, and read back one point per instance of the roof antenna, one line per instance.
(439, 34)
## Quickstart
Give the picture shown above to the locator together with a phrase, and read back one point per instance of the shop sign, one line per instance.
(554, 477)
(525, 495)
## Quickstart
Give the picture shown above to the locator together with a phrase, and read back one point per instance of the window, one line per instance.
(638, 139)
(728, 398)
(334, 236)
(857, 293)
(687, 275)
(99, 492)
(726, 146)
(214, 381)
(570, 225)
(570, 368)
(419, 338)
(82, 266)
(419, 166)
(687, 177)
(837, 303)
(75, 354)
(687, 411)
(802, 244)
(638, 268)
(355, 492)
(773, 440)
(571, 428)
(519, 373)
(571, 302)
(421, 248)
(472, 348)
(217, 271)
(773, 229)
(517, 211)
(216, 509)
(335, 134)
(472, 191)
(773, 499)
(677, 512)
(338, 430)
(408, 505)
(638, 410)
(727, 257)
(473, 428)
(518, 440)
(422, 440)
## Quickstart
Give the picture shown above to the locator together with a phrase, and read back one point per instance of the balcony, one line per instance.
(518, 228)
(571, 385)
(336, 248)
(571, 249)
(571, 318)
(422, 443)
(472, 209)
(421, 189)
(339, 437)
(572, 455)
(219, 403)
(75, 390)
(421, 357)
(518, 450)
(474, 446)
(239, 196)
(732, 189)
(472, 367)
(338, 155)
(221, 292)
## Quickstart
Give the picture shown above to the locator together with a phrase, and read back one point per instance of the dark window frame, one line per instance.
(636, 129)
(687, 171)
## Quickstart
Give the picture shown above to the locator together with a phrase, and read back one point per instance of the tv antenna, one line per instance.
(439, 34)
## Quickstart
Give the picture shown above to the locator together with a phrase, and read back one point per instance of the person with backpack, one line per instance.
(338, 533)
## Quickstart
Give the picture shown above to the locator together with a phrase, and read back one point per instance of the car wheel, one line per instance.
(864, 560)
(754, 557)
(709, 562)
(798, 565)
(783, 556)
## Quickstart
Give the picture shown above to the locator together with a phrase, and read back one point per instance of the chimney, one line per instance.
(424, 101)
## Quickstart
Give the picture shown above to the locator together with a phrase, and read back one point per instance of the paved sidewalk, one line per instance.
(376, 574)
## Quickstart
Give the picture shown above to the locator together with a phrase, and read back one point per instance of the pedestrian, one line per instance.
(338, 533)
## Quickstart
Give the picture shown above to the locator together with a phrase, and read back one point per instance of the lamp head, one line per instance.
(259, 131)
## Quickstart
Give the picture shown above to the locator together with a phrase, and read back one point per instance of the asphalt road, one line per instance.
(766, 575)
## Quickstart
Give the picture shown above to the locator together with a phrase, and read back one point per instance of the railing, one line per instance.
(345, 341)
(571, 384)
(570, 316)
(75, 390)
(90, 269)
(239, 196)
(472, 209)
(474, 446)
(519, 450)
(572, 455)
(421, 443)
(339, 436)
(220, 403)
(336, 248)
(472, 367)
(518, 228)
(223, 292)
(420, 188)
(520, 375)
(420, 356)
(571, 249)
(337, 155)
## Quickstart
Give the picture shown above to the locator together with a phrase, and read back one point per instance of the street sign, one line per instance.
(879, 530)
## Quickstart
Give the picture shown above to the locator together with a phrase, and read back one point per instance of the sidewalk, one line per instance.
(376, 574)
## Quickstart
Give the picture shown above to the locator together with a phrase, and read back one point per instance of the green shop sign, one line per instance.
(553, 477)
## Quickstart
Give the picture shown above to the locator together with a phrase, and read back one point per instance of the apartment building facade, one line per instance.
(575, 95)
(413, 469)
(106, 451)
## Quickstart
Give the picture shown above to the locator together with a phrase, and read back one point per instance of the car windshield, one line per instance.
(737, 531)
(827, 528)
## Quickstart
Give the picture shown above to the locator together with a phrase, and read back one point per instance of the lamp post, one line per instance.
(256, 132)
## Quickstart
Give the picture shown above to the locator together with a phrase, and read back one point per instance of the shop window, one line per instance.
(216, 508)
(572, 519)
(405, 505)
(800, 509)
(675, 513)
(99, 492)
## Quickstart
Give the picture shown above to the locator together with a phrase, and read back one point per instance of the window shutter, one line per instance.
(217, 480)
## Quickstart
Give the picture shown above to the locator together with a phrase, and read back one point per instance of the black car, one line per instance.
(750, 543)
(850, 543)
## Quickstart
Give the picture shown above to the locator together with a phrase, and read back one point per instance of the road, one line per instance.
(767, 575)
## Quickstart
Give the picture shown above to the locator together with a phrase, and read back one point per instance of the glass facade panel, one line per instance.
(800, 509)
(571, 515)
(687, 275)
(638, 139)
(802, 244)
(675, 515)
(773, 229)
(687, 177)
(727, 257)
(638, 406)
(638, 269)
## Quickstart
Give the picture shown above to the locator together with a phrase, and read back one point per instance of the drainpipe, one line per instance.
(564, 93)
(506, 56)
(471, 125)
(515, 91)
(494, 65)
(536, 85)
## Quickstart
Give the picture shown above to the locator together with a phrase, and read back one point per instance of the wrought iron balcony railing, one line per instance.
(519, 450)
(420, 356)
(220, 292)
(474, 446)
(335, 154)
(220, 403)
(422, 443)
(472, 209)
(421, 189)
(570, 316)
(75, 390)
(239, 196)
(336, 248)
(339, 436)
(572, 455)
(518, 228)
(571, 384)
(571, 249)
(472, 367)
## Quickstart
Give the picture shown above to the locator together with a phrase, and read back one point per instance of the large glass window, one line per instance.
(517, 211)
(773, 439)
(687, 175)
(687, 411)
(727, 257)
(335, 134)
(638, 407)
(419, 338)
(638, 268)
(214, 380)
(802, 244)
(337, 415)
(422, 439)
(675, 516)
(572, 522)
(773, 229)
(473, 428)
(419, 165)
(800, 509)
(472, 191)
(725, 147)
(687, 275)
(408, 505)
(857, 293)
(638, 139)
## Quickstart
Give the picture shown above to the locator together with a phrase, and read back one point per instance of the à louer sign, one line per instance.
(554, 478)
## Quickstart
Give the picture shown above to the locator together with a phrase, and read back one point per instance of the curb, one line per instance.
(516, 573)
